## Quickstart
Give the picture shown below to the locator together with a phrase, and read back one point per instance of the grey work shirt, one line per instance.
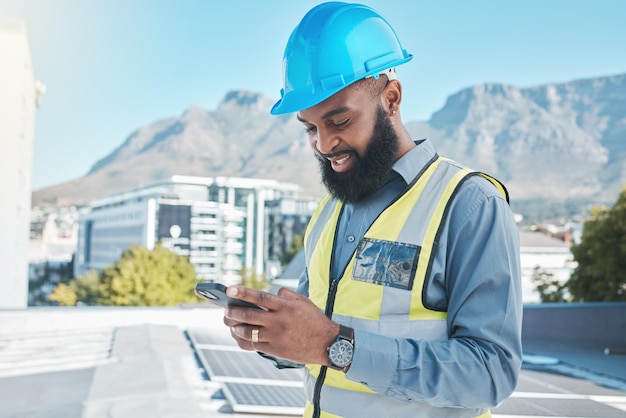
(475, 278)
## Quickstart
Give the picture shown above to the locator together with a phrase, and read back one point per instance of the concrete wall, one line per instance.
(601, 323)
(17, 121)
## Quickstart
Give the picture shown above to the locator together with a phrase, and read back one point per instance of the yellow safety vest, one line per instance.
(381, 288)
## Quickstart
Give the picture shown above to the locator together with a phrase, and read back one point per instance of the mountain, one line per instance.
(240, 138)
(554, 142)
(557, 141)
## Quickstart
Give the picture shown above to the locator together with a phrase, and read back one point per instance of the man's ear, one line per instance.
(392, 96)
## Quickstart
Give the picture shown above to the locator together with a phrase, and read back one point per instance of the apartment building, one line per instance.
(223, 224)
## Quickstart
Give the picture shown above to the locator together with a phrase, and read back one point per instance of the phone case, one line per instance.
(216, 293)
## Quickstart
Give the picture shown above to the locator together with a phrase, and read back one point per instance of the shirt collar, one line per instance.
(411, 163)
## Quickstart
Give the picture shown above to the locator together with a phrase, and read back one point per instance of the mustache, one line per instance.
(334, 154)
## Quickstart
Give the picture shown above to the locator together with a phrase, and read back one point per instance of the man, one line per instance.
(410, 304)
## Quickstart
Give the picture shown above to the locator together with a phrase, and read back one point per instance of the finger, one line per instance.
(229, 322)
(264, 299)
(285, 292)
(243, 343)
(244, 316)
(250, 333)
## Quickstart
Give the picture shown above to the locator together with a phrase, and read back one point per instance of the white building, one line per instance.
(53, 238)
(222, 224)
(550, 255)
(19, 94)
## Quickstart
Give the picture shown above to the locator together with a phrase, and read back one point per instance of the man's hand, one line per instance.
(291, 327)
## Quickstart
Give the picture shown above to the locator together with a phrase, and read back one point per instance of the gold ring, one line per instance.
(255, 335)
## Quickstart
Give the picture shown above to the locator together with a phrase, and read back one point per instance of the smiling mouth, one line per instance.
(340, 161)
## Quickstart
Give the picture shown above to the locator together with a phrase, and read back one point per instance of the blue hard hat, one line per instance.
(333, 46)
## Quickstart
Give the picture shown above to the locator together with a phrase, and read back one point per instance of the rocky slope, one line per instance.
(554, 141)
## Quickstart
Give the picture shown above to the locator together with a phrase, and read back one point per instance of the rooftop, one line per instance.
(540, 240)
(181, 362)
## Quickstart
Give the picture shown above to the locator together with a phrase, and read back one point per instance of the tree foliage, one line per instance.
(84, 289)
(141, 277)
(601, 256)
(550, 289)
(64, 294)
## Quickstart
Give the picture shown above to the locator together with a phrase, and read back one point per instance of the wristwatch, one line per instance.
(340, 352)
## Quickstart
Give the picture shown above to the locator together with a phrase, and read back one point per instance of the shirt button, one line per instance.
(350, 238)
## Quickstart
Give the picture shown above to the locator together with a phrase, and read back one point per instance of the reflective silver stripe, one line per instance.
(394, 301)
(419, 221)
(347, 403)
(315, 231)
(309, 384)
(399, 327)
(428, 202)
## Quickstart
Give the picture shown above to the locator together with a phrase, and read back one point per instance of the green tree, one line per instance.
(84, 289)
(64, 294)
(549, 288)
(601, 256)
(141, 277)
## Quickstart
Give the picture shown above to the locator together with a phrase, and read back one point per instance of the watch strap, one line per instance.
(346, 333)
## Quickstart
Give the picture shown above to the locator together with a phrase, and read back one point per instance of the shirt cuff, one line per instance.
(375, 360)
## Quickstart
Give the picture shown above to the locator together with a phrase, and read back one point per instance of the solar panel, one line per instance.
(224, 364)
(271, 399)
(211, 337)
(250, 383)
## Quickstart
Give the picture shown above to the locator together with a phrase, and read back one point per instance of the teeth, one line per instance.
(342, 160)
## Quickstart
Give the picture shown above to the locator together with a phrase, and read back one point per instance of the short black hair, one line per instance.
(374, 86)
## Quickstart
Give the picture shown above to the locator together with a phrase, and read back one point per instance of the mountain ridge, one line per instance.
(554, 141)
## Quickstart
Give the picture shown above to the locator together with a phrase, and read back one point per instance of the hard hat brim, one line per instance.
(295, 101)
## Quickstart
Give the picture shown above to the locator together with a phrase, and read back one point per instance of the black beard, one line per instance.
(370, 171)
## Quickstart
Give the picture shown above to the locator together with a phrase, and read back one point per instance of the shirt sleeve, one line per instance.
(477, 279)
(303, 283)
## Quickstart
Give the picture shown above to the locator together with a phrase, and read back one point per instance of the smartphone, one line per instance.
(216, 293)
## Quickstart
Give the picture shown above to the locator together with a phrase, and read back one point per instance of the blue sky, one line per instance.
(111, 66)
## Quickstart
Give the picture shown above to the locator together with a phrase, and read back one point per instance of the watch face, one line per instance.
(340, 353)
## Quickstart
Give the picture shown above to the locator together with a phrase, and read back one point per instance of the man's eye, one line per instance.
(340, 124)
(310, 129)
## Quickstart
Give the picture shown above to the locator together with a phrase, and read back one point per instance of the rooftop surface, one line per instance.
(181, 362)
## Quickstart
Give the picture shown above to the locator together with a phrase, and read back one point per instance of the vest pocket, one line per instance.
(386, 263)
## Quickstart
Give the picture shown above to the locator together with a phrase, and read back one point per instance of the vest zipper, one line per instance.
(328, 311)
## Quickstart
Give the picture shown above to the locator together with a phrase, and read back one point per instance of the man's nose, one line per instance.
(325, 141)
